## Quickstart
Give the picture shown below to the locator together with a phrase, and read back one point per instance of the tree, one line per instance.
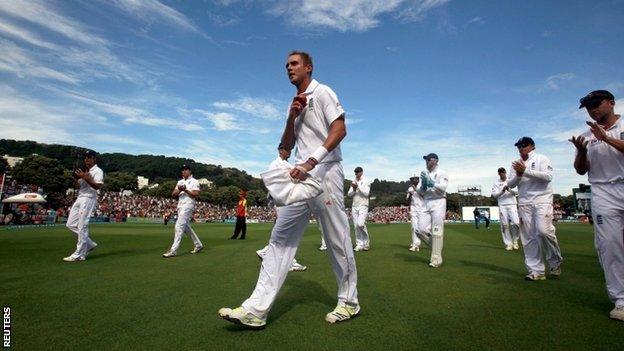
(116, 181)
(45, 172)
(4, 165)
(162, 190)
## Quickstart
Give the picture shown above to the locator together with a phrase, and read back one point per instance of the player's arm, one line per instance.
(192, 193)
(545, 171)
(351, 192)
(600, 134)
(514, 180)
(337, 132)
(87, 177)
(442, 183)
(175, 191)
(288, 137)
(495, 193)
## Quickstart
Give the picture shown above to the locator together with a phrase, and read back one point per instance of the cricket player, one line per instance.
(78, 221)
(433, 183)
(508, 209)
(360, 191)
(186, 191)
(416, 210)
(600, 154)
(316, 125)
(532, 174)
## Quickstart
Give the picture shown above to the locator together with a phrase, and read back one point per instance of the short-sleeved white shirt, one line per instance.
(312, 124)
(606, 163)
(532, 187)
(85, 189)
(184, 200)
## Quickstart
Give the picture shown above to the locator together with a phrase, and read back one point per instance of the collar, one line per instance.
(618, 120)
(311, 87)
(531, 154)
(92, 167)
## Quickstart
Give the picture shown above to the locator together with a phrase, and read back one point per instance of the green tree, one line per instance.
(45, 172)
(116, 181)
(4, 165)
(162, 190)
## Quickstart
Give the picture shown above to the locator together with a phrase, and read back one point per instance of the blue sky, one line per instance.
(206, 79)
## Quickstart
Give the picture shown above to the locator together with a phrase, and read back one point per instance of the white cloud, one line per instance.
(349, 15)
(222, 121)
(552, 82)
(25, 35)
(254, 106)
(476, 20)
(151, 11)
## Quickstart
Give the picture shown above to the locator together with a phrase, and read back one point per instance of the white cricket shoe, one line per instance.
(534, 277)
(342, 313)
(509, 247)
(555, 272)
(358, 248)
(169, 254)
(92, 246)
(414, 248)
(366, 248)
(322, 248)
(434, 265)
(262, 252)
(297, 267)
(515, 246)
(73, 258)
(617, 313)
(197, 249)
(240, 315)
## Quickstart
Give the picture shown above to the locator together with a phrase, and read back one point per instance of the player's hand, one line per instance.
(354, 185)
(299, 102)
(597, 130)
(519, 167)
(300, 172)
(181, 187)
(505, 188)
(80, 173)
(580, 143)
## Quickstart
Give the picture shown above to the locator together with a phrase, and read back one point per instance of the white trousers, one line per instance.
(183, 225)
(608, 213)
(510, 224)
(431, 226)
(292, 221)
(359, 214)
(538, 235)
(415, 213)
(78, 222)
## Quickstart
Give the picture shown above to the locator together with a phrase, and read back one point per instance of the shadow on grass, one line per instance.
(493, 268)
(414, 257)
(95, 255)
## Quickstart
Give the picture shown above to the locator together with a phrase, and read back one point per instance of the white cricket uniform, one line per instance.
(431, 222)
(186, 206)
(311, 130)
(80, 213)
(508, 211)
(606, 176)
(535, 206)
(416, 210)
(359, 211)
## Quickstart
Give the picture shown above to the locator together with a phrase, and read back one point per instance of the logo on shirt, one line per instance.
(599, 219)
(532, 165)
(311, 104)
(622, 135)
(549, 168)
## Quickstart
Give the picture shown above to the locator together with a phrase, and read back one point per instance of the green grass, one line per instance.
(126, 296)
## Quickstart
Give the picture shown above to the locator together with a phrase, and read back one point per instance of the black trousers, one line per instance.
(241, 225)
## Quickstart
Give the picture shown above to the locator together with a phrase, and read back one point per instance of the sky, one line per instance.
(206, 79)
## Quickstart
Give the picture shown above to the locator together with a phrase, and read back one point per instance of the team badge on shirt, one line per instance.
(532, 165)
(599, 219)
(622, 135)
(311, 104)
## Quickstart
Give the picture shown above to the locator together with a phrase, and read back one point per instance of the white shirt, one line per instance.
(184, 199)
(312, 124)
(85, 189)
(507, 197)
(360, 195)
(534, 187)
(416, 200)
(439, 190)
(606, 163)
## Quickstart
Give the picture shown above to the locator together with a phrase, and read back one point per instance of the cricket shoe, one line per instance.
(297, 267)
(358, 248)
(617, 313)
(73, 258)
(534, 277)
(434, 265)
(342, 313)
(240, 315)
(555, 272)
(323, 248)
(515, 246)
(169, 254)
(366, 248)
(414, 248)
(197, 249)
(92, 246)
(262, 252)
(509, 247)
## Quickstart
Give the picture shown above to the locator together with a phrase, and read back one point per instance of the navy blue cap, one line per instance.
(430, 156)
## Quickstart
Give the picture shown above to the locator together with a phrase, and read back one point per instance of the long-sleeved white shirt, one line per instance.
(415, 199)
(534, 186)
(361, 194)
(507, 197)
(438, 191)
